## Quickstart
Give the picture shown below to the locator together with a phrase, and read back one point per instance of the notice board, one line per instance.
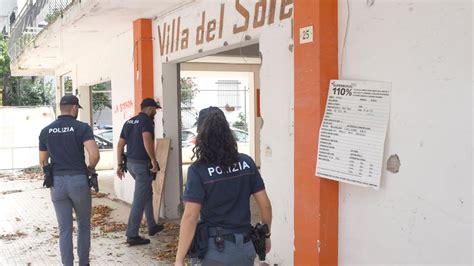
(353, 131)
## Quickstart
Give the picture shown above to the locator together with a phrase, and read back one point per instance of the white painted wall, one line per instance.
(276, 81)
(208, 95)
(111, 62)
(20, 128)
(122, 91)
(421, 215)
(277, 137)
(472, 124)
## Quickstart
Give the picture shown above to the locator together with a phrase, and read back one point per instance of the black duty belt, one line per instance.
(213, 231)
(229, 234)
(231, 238)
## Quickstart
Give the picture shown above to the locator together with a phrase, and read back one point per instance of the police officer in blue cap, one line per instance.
(61, 146)
(138, 134)
(218, 190)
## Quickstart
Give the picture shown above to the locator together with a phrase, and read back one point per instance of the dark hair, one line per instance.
(215, 142)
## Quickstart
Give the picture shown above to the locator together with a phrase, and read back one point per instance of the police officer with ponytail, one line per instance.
(217, 195)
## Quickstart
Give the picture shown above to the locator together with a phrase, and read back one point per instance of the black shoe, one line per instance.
(138, 240)
(157, 228)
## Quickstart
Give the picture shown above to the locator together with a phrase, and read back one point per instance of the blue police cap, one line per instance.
(149, 102)
(70, 100)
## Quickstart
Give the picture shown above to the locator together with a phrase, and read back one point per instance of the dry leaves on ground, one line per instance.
(113, 227)
(99, 194)
(30, 176)
(100, 213)
(11, 191)
(39, 229)
(25, 175)
(13, 236)
(101, 219)
(168, 251)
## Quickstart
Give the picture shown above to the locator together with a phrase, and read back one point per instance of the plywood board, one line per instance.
(161, 153)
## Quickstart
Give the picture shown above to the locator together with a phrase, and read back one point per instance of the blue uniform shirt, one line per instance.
(132, 132)
(224, 193)
(64, 141)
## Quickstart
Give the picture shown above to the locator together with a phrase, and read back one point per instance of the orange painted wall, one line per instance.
(142, 61)
(316, 199)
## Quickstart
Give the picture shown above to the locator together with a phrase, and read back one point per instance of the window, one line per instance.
(67, 85)
(228, 94)
(240, 136)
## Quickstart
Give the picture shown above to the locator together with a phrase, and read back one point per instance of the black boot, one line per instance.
(157, 228)
(138, 240)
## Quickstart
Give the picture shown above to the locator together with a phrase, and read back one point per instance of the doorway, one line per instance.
(229, 81)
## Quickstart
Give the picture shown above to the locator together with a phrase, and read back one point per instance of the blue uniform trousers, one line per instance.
(142, 198)
(73, 192)
(234, 254)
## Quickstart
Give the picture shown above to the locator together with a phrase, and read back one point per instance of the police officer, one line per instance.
(138, 135)
(218, 189)
(63, 142)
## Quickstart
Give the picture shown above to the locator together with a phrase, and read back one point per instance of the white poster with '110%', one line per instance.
(352, 135)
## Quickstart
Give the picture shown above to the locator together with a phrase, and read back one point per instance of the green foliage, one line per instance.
(187, 90)
(18, 91)
(31, 92)
(100, 99)
(241, 123)
(51, 17)
(68, 85)
(5, 77)
(4, 58)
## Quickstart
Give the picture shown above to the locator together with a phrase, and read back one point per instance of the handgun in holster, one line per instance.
(153, 174)
(123, 165)
(48, 176)
(92, 178)
(199, 245)
(257, 234)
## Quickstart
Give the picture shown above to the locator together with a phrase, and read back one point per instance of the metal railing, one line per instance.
(32, 19)
(15, 159)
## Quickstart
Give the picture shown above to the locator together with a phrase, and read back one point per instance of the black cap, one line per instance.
(149, 102)
(70, 100)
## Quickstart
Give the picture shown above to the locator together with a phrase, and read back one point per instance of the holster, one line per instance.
(123, 165)
(153, 174)
(257, 234)
(92, 179)
(199, 246)
(48, 176)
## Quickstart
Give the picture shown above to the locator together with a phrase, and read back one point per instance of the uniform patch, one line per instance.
(133, 121)
(57, 130)
(234, 169)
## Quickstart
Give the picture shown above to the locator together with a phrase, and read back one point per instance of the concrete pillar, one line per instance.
(85, 99)
(173, 183)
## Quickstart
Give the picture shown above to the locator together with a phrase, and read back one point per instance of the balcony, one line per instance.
(32, 19)
(51, 35)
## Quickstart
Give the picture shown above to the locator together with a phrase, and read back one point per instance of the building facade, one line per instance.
(421, 214)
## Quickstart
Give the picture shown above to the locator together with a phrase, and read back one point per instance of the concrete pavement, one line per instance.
(29, 233)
